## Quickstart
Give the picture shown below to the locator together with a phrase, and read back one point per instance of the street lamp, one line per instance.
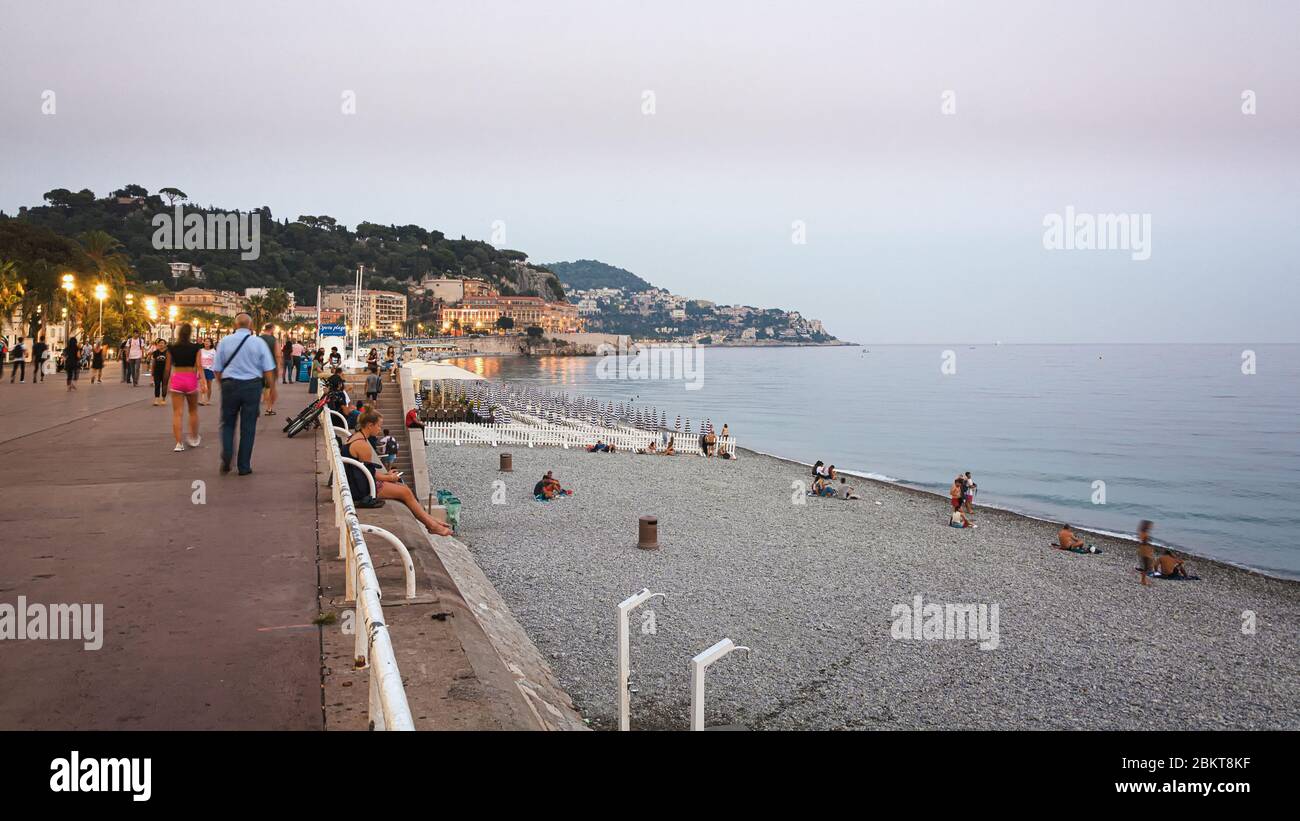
(69, 282)
(171, 320)
(101, 293)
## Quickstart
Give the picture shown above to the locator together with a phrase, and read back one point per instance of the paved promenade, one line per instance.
(207, 607)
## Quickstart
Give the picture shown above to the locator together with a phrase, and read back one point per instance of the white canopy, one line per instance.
(438, 370)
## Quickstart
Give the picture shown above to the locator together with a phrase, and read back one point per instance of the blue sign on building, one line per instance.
(332, 330)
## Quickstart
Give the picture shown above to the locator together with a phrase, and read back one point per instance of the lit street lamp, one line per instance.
(69, 282)
(101, 293)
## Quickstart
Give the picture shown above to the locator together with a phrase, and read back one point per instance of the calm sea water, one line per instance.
(1178, 433)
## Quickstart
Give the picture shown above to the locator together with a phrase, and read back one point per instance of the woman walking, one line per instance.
(317, 370)
(207, 357)
(97, 363)
(71, 356)
(183, 376)
(286, 359)
(158, 369)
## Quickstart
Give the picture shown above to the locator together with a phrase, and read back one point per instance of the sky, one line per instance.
(916, 147)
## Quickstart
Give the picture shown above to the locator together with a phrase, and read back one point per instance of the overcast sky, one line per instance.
(921, 226)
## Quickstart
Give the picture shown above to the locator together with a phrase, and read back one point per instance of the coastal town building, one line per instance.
(225, 303)
(186, 270)
(480, 314)
(376, 310)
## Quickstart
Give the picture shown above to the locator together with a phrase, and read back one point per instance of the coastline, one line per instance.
(1130, 538)
(810, 586)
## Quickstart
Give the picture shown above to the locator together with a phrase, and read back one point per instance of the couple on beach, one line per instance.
(962, 497)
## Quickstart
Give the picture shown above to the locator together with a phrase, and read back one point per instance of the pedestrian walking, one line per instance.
(40, 352)
(71, 360)
(286, 360)
(242, 371)
(183, 380)
(135, 349)
(158, 370)
(97, 363)
(268, 395)
(18, 356)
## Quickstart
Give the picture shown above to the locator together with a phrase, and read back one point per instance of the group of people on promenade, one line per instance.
(74, 358)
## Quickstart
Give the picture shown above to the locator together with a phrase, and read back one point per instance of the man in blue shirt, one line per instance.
(242, 370)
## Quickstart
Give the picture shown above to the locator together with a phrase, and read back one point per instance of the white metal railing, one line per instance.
(541, 434)
(388, 708)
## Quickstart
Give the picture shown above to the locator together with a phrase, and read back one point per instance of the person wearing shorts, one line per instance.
(207, 356)
(183, 382)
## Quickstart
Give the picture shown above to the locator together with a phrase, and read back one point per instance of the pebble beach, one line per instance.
(813, 588)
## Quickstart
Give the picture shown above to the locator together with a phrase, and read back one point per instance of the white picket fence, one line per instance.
(532, 432)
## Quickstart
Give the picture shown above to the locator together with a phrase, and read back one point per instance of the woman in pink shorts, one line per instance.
(183, 376)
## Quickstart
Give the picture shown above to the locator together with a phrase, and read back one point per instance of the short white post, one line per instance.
(624, 654)
(699, 665)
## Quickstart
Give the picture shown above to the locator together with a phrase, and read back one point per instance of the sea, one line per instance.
(1204, 440)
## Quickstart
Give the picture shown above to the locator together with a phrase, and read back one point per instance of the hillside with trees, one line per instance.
(296, 254)
(585, 274)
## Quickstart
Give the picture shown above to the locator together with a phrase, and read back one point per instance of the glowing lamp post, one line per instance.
(101, 293)
(69, 282)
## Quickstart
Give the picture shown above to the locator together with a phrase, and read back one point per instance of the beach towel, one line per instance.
(1086, 550)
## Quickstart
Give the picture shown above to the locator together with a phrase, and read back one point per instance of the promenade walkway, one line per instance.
(207, 607)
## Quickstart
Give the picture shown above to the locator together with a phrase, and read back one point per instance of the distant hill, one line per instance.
(590, 273)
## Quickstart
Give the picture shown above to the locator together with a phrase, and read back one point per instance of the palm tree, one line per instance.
(11, 288)
(276, 302)
(257, 309)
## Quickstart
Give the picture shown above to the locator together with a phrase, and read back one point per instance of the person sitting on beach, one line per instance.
(819, 469)
(959, 519)
(1170, 566)
(846, 490)
(599, 447)
(1066, 539)
(648, 449)
(550, 483)
(542, 491)
(670, 448)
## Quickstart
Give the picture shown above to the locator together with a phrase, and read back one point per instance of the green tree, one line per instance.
(173, 194)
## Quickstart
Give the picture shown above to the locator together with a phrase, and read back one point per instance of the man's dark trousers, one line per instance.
(240, 399)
